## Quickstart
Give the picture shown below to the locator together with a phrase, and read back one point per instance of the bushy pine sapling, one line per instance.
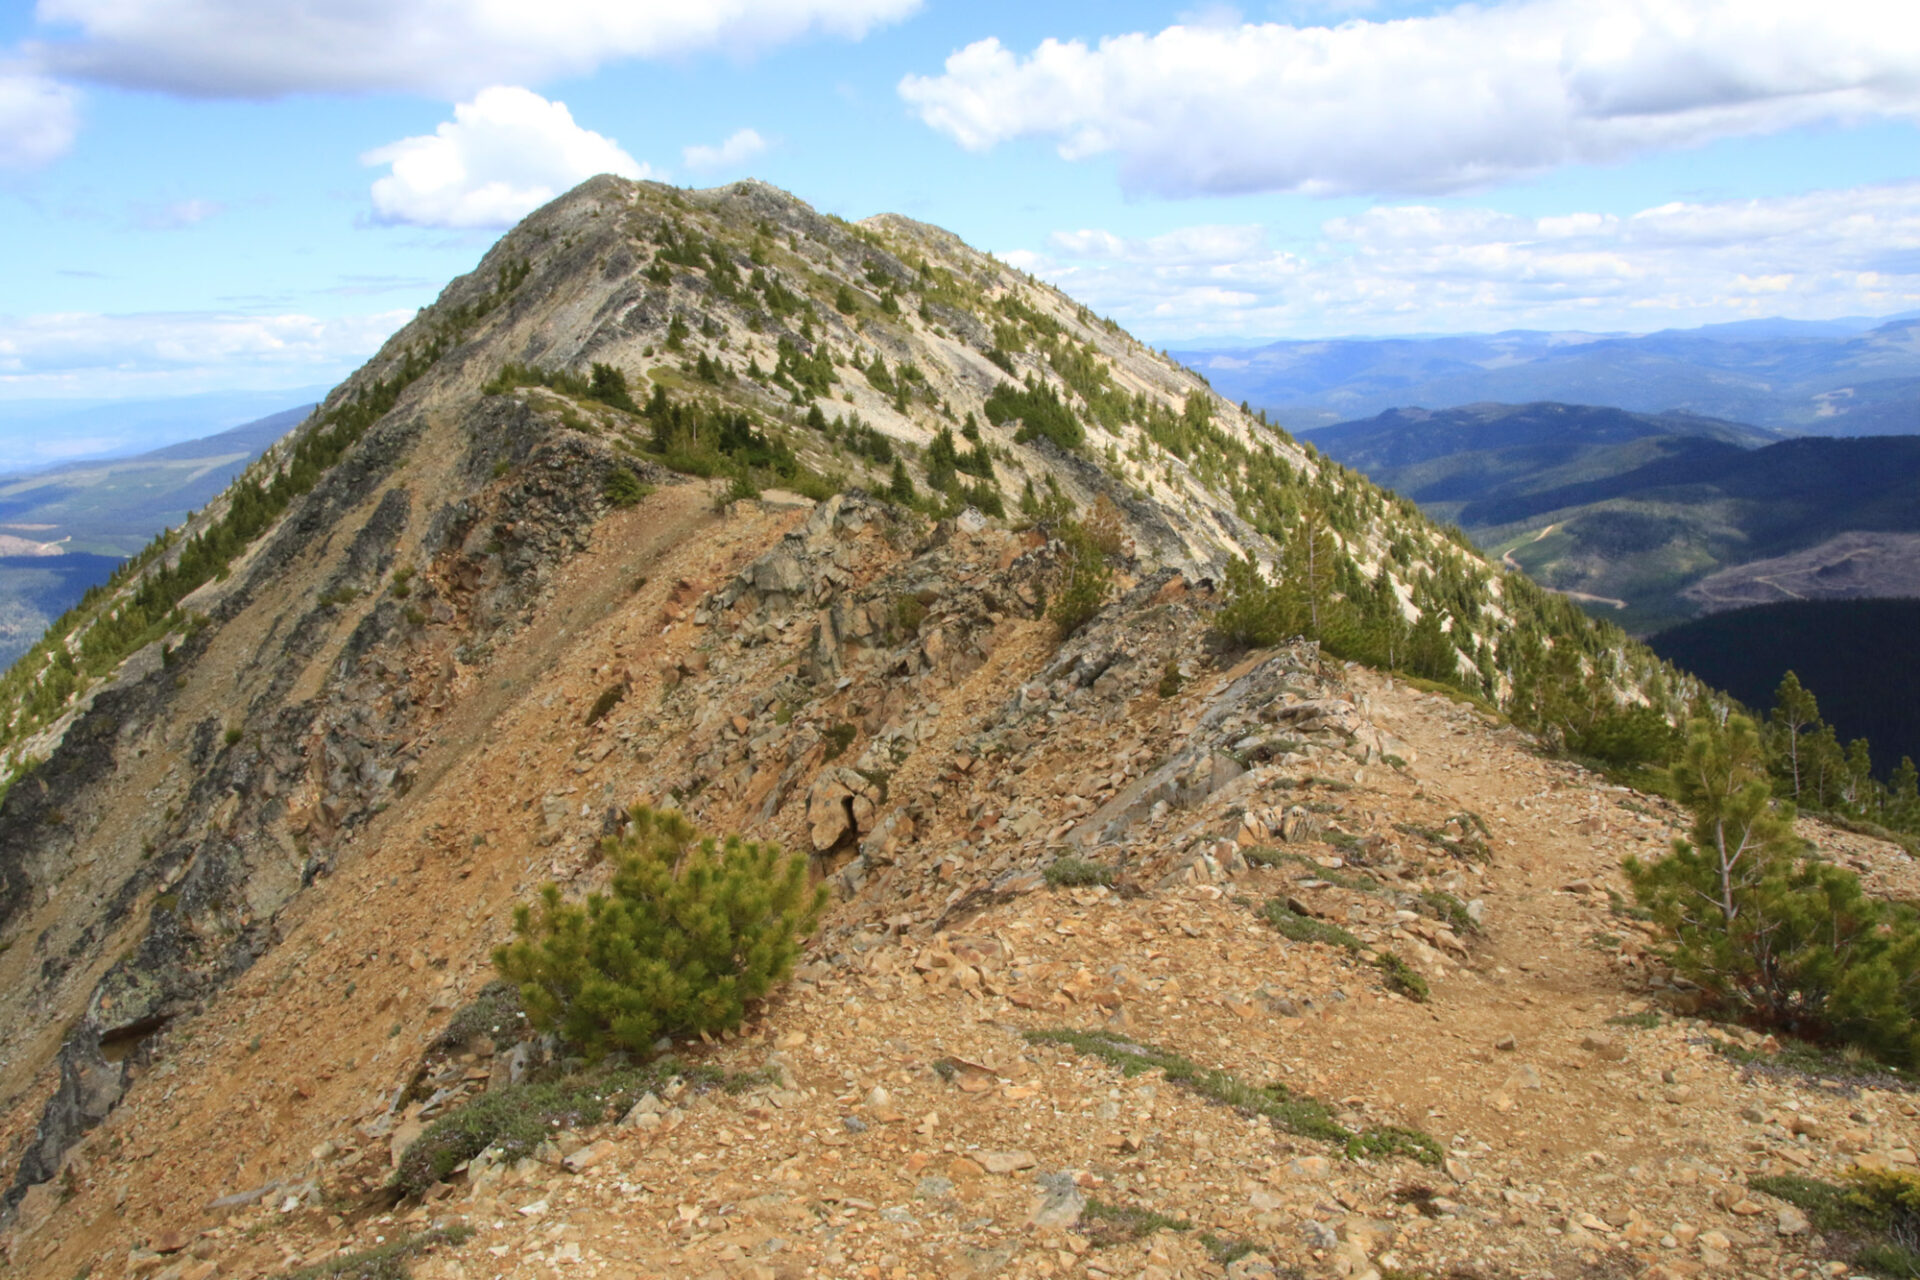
(688, 933)
(1088, 577)
(1770, 935)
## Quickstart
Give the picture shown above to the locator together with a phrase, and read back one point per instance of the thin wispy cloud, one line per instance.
(450, 48)
(185, 350)
(175, 215)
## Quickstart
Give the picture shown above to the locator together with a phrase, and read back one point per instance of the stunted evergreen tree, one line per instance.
(1310, 559)
(1769, 934)
(900, 486)
(1795, 711)
(689, 932)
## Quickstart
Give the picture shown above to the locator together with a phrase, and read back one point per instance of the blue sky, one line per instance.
(212, 195)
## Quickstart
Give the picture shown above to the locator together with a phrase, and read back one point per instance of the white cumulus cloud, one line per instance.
(1438, 103)
(1418, 268)
(38, 119)
(264, 48)
(504, 154)
(744, 145)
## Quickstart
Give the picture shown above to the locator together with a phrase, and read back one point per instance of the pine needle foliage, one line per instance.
(690, 931)
(1771, 935)
(1088, 577)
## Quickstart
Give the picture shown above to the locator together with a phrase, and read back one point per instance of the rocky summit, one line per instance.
(1148, 954)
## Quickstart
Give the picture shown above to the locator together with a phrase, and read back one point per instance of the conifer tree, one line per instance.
(1795, 711)
(689, 932)
(900, 487)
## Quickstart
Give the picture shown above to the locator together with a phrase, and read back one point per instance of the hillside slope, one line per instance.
(65, 528)
(1659, 515)
(1858, 653)
(278, 790)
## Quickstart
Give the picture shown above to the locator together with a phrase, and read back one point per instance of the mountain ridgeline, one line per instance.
(260, 696)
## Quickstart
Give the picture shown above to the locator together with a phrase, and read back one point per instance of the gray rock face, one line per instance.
(233, 853)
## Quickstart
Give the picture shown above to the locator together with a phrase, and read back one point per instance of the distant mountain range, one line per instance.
(68, 527)
(1838, 378)
(1655, 517)
(35, 434)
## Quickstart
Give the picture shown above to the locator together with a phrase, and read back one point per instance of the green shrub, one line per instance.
(1388, 1141)
(624, 488)
(1402, 977)
(1291, 924)
(1872, 1219)
(837, 738)
(1070, 872)
(515, 1119)
(1447, 909)
(689, 931)
(1170, 681)
(609, 698)
(1769, 935)
(390, 1261)
(494, 1011)
(909, 613)
(1088, 576)
(1040, 412)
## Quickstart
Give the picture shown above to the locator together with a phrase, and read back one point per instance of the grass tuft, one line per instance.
(390, 1261)
(1872, 1220)
(1110, 1224)
(1295, 1113)
(516, 1119)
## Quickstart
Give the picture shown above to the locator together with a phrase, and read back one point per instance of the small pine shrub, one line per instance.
(908, 614)
(1170, 680)
(1087, 578)
(624, 488)
(1071, 872)
(689, 932)
(837, 737)
(1403, 978)
(1771, 936)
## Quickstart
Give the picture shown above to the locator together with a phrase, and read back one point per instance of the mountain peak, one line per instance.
(696, 498)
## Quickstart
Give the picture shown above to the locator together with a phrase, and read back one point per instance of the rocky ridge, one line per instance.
(266, 861)
(913, 1116)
